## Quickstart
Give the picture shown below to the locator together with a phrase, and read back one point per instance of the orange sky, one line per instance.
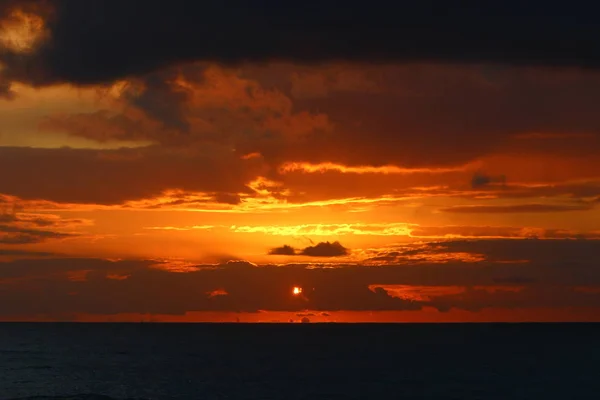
(417, 192)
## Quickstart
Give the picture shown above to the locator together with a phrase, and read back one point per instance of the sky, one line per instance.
(210, 161)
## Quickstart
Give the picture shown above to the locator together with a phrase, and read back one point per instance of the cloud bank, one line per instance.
(101, 41)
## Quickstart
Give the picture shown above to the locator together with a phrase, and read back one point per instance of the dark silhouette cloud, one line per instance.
(321, 249)
(103, 40)
(325, 249)
(480, 179)
(284, 250)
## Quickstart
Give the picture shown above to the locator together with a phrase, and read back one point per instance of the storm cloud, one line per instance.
(103, 40)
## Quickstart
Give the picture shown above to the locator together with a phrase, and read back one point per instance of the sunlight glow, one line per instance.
(362, 169)
(22, 32)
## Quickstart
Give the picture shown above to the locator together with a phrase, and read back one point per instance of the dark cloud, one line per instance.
(18, 227)
(401, 131)
(559, 253)
(227, 198)
(518, 252)
(101, 126)
(558, 273)
(515, 280)
(16, 235)
(112, 177)
(516, 208)
(28, 220)
(161, 99)
(321, 249)
(100, 40)
(242, 112)
(284, 250)
(325, 249)
(533, 296)
(558, 189)
(481, 179)
(27, 253)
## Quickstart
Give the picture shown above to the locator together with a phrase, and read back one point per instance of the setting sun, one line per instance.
(297, 290)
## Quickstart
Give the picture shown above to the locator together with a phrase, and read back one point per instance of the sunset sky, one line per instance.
(196, 161)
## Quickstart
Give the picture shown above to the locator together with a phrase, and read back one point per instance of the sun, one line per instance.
(297, 290)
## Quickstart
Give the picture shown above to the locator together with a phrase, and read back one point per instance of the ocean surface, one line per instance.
(300, 361)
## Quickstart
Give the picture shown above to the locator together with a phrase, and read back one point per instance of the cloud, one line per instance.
(27, 253)
(321, 249)
(284, 250)
(127, 174)
(454, 231)
(516, 208)
(15, 235)
(86, 44)
(161, 98)
(390, 229)
(325, 249)
(305, 315)
(102, 126)
(480, 179)
(533, 296)
(217, 292)
(308, 146)
(516, 252)
(180, 228)
(361, 169)
(18, 227)
(515, 280)
(550, 278)
(581, 191)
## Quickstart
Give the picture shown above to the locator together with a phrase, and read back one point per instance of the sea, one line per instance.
(299, 361)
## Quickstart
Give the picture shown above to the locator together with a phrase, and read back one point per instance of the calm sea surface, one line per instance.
(300, 361)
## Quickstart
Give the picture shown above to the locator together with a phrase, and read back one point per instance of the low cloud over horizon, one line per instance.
(462, 275)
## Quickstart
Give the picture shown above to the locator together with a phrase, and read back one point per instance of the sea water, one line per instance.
(300, 361)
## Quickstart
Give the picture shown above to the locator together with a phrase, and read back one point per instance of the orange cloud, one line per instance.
(364, 169)
(217, 292)
(518, 208)
(392, 229)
